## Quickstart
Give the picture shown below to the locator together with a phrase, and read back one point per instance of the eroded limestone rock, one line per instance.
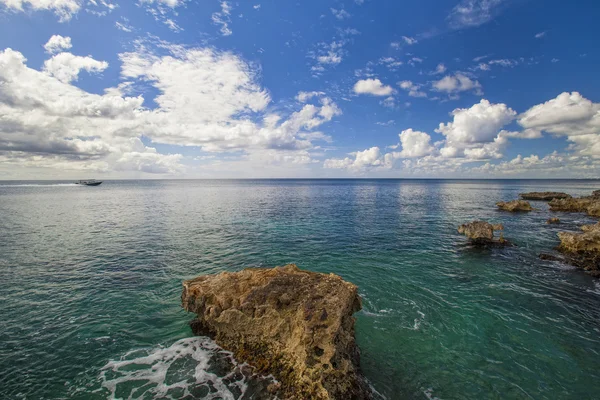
(482, 233)
(587, 204)
(544, 196)
(514, 205)
(582, 249)
(294, 324)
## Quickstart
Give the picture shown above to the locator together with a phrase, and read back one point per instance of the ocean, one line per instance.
(90, 285)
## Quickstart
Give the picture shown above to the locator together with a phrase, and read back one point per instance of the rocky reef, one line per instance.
(587, 204)
(481, 233)
(544, 196)
(514, 206)
(553, 220)
(296, 325)
(582, 249)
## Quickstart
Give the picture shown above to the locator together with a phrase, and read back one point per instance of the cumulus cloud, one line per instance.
(66, 67)
(359, 161)
(475, 132)
(456, 83)
(569, 115)
(414, 144)
(373, 87)
(57, 43)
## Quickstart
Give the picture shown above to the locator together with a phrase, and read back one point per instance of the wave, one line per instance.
(193, 367)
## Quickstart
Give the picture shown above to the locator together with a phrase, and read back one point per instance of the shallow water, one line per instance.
(90, 279)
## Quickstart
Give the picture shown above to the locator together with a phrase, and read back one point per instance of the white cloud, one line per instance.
(469, 13)
(475, 132)
(391, 63)
(409, 40)
(331, 53)
(570, 115)
(340, 14)
(256, 6)
(360, 161)
(440, 69)
(66, 67)
(456, 83)
(303, 97)
(389, 102)
(122, 26)
(64, 9)
(373, 87)
(414, 61)
(205, 98)
(540, 35)
(413, 89)
(222, 18)
(387, 123)
(414, 144)
(57, 43)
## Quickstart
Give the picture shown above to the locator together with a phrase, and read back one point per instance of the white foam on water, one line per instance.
(429, 394)
(169, 372)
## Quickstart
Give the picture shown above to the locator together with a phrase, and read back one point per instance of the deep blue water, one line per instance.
(90, 280)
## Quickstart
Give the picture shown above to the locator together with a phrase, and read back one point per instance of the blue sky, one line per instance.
(373, 88)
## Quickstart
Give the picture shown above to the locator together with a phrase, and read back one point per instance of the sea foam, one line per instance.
(194, 367)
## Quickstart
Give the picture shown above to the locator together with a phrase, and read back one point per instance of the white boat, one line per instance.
(88, 182)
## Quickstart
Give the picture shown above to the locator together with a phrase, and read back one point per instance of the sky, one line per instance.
(146, 89)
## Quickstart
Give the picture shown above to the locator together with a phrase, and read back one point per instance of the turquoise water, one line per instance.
(90, 280)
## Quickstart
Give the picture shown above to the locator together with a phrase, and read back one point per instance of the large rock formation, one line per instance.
(481, 233)
(294, 324)
(582, 249)
(587, 204)
(514, 205)
(544, 196)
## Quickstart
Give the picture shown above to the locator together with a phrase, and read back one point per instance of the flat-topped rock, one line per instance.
(586, 204)
(544, 196)
(515, 206)
(481, 233)
(296, 325)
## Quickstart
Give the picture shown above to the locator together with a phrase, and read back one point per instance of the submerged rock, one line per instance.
(553, 220)
(481, 233)
(514, 205)
(587, 204)
(582, 249)
(294, 324)
(544, 196)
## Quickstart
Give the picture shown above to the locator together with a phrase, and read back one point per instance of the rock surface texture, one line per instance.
(482, 233)
(587, 204)
(544, 196)
(582, 249)
(514, 205)
(294, 324)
